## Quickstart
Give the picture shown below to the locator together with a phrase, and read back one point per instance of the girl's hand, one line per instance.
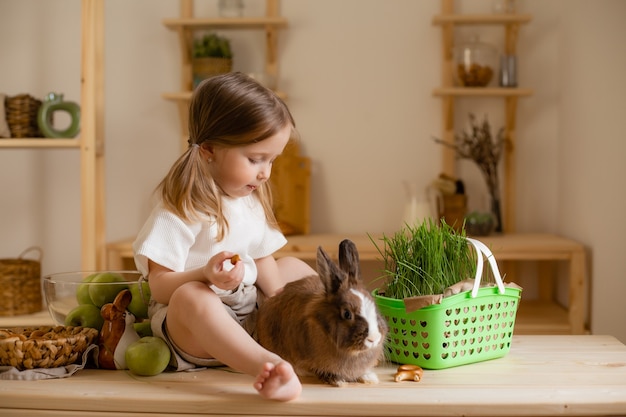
(216, 274)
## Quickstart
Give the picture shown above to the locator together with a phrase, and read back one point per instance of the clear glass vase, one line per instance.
(418, 206)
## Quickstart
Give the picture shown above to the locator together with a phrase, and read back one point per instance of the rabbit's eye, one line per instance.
(347, 314)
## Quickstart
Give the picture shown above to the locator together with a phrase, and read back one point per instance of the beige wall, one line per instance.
(361, 92)
(591, 197)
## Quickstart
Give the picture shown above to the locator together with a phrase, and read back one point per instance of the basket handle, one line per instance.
(32, 248)
(483, 250)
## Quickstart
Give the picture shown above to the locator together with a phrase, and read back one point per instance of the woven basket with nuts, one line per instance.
(44, 347)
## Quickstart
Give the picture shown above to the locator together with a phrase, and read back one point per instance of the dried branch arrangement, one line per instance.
(480, 146)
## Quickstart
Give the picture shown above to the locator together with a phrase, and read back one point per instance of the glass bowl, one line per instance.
(76, 298)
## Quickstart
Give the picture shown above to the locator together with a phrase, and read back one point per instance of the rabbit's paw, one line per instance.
(332, 379)
(369, 378)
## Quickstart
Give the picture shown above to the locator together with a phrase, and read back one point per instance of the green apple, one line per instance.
(100, 292)
(141, 298)
(82, 292)
(143, 328)
(85, 315)
(147, 356)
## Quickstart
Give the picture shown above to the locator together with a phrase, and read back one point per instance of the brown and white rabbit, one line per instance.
(326, 325)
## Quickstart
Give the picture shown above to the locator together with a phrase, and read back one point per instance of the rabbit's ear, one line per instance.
(107, 311)
(123, 299)
(330, 274)
(349, 260)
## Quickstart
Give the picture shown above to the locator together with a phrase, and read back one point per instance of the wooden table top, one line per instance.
(541, 375)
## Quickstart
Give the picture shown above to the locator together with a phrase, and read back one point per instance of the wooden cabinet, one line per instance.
(448, 93)
(90, 142)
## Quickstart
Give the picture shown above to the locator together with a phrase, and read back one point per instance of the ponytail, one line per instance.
(189, 191)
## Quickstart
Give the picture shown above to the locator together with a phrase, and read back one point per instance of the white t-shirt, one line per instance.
(180, 246)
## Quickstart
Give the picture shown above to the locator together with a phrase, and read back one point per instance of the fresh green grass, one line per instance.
(424, 260)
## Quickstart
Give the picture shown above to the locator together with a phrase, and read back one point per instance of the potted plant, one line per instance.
(479, 223)
(211, 55)
(438, 312)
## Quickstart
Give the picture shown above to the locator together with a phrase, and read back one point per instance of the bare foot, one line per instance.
(278, 382)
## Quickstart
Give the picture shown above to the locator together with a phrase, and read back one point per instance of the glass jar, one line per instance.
(474, 63)
(230, 8)
(504, 6)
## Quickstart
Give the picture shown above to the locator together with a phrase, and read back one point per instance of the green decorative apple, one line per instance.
(101, 293)
(143, 328)
(141, 298)
(85, 315)
(82, 292)
(147, 356)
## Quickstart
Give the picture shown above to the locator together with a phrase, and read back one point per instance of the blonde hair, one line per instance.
(228, 110)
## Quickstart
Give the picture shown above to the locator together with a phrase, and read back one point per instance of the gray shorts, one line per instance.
(241, 305)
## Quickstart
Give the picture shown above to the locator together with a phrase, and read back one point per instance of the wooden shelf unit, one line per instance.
(187, 24)
(544, 315)
(198, 23)
(479, 19)
(39, 143)
(90, 141)
(448, 19)
(482, 92)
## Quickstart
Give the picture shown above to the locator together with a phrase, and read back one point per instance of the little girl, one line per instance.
(207, 246)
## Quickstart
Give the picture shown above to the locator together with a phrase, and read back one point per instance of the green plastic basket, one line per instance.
(468, 327)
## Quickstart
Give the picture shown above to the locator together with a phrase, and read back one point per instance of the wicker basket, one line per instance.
(465, 328)
(44, 347)
(21, 115)
(20, 285)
